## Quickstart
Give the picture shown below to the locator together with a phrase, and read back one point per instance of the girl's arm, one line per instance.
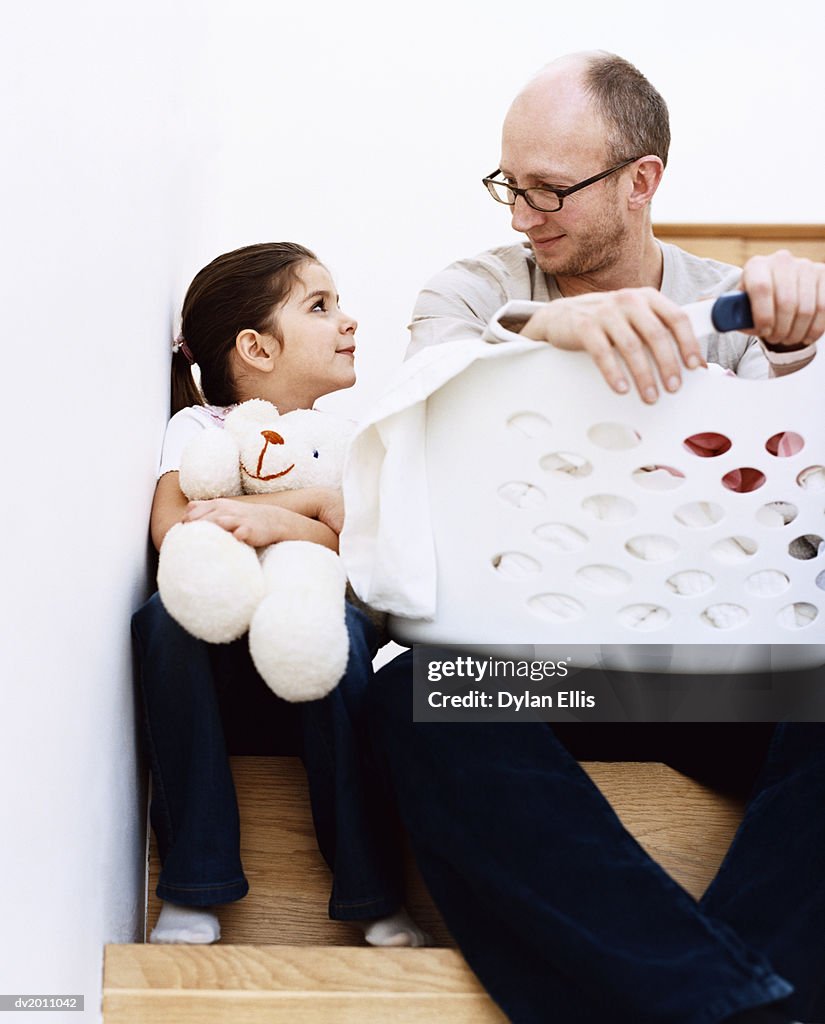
(168, 507)
(322, 503)
(319, 505)
(260, 523)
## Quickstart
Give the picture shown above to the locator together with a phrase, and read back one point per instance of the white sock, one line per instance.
(398, 929)
(186, 924)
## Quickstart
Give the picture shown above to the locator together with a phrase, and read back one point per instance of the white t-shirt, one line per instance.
(185, 425)
(463, 299)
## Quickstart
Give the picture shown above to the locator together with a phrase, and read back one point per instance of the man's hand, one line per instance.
(787, 295)
(635, 331)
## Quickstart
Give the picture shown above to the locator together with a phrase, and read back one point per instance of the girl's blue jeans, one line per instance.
(202, 701)
(559, 911)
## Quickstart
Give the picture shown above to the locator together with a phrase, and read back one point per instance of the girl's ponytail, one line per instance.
(185, 391)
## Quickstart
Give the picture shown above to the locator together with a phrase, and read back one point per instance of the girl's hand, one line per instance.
(256, 525)
(259, 524)
(330, 508)
(326, 504)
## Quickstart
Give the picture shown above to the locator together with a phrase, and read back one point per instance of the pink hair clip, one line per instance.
(179, 345)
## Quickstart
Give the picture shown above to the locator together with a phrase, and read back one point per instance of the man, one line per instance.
(585, 145)
(561, 914)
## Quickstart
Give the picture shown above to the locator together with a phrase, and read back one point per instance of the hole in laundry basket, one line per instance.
(644, 617)
(652, 548)
(808, 546)
(521, 494)
(743, 480)
(820, 580)
(691, 582)
(785, 444)
(658, 478)
(566, 463)
(725, 616)
(777, 513)
(767, 583)
(604, 579)
(530, 424)
(707, 445)
(614, 437)
(609, 507)
(561, 537)
(733, 550)
(812, 478)
(556, 607)
(699, 513)
(514, 565)
(798, 615)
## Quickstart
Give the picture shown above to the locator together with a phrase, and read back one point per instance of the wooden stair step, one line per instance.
(683, 825)
(291, 985)
(282, 960)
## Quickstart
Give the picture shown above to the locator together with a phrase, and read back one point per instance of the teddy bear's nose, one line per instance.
(272, 437)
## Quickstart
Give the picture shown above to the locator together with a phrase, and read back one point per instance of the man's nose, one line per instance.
(524, 217)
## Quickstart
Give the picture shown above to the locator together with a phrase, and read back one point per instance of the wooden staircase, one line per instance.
(282, 961)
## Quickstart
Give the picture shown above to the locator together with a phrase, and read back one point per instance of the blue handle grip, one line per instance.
(732, 312)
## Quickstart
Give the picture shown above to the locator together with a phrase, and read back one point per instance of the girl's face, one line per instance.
(317, 355)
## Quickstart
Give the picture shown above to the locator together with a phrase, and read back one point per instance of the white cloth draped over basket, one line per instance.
(503, 494)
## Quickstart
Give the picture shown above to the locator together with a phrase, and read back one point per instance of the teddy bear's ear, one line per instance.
(250, 415)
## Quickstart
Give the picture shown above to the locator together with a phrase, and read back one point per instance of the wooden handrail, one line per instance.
(696, 230)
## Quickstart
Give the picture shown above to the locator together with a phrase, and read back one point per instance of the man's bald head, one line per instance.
(594, 85)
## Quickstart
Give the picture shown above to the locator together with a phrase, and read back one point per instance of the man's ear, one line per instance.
(255, 350)
(646, 177)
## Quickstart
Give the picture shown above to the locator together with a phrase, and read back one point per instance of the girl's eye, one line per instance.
(321, 305)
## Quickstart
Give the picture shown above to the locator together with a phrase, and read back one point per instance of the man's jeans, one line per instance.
(201, 700)
(563, 916)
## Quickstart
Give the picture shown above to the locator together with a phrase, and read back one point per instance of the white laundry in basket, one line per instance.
(560, 512)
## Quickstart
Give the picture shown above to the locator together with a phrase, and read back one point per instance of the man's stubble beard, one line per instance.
(600, 250)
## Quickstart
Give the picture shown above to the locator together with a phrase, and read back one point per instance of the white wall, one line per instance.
(142, 141)
(97, 221)
(365, 134)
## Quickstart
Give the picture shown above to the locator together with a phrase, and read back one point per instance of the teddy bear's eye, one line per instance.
(315, 453)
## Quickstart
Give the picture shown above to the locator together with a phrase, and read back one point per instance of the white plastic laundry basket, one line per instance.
(564, 513)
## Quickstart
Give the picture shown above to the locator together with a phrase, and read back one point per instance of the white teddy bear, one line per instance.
(290, 596)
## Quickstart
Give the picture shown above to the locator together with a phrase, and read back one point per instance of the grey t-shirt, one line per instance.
(460, 301)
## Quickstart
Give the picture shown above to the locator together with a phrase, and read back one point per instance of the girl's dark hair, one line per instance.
(234, 292)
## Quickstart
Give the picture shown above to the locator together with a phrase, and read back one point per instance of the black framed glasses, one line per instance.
(543, 197)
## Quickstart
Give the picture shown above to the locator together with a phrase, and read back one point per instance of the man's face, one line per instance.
(551, 136)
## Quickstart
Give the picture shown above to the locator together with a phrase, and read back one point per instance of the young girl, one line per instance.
(260, 322)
